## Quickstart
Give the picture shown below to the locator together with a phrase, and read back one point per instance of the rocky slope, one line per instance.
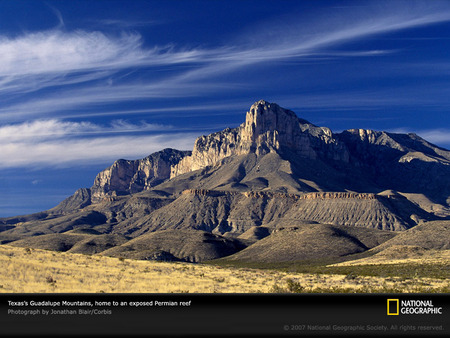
(380, 160)
(177, 245)
(233, 213)
(241, 186)
(128, 177)
(267, 128)
(311, 241)
(403, 162)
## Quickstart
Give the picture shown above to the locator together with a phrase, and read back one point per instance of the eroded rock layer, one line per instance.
(277, 185)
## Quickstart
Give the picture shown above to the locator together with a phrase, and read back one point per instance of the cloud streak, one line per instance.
(60, 73)
(50, 143)
(45, 129)
(84, 68)
(438, 136)
(54, 58)
(87, 151)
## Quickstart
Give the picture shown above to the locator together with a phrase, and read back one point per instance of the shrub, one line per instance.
(293, 286)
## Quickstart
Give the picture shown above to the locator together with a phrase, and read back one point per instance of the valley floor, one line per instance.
(25, 270)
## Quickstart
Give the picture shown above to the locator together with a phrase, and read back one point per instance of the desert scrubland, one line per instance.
(26, 270)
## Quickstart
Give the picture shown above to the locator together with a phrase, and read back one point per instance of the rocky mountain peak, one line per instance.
(124, 177)
(274, 169)
(267, 128)
(264, 117)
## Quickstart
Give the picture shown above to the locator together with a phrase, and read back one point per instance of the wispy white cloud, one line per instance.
(375, 52)
(438, 136)
(330, 27)
(54, 58)
(58, 15)
(61, 143)
(88, 151)
(57, 58)
(57, 51)
(43, 129)
(58, 102)
(52, 129)
(127, 24)
(85, 71)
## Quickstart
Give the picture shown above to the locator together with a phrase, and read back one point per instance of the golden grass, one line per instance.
(411, 255)
(25, 270)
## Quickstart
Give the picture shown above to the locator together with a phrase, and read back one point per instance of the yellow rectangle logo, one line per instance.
(393, 307)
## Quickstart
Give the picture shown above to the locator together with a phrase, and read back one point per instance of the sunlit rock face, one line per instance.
(267, 128)
(125, 177)
(279, 186)
(379, 160)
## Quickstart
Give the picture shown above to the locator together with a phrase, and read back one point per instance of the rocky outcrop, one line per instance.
(272, 194)
(371, 147)
(80, 199)
(403, 162)
(297, 190)
(127, 177)
(208, 192)
(337, 195)
(208, 150)
(380, 160)
(234, 212)
(267, 128)
(177, 245)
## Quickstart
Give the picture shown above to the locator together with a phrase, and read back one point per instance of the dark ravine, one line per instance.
(275, 188)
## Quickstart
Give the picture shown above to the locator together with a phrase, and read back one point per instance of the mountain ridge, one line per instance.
(270, 128)
(273, 171)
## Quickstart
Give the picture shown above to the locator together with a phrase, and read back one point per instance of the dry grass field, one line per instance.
(25, 270)
(404, 254)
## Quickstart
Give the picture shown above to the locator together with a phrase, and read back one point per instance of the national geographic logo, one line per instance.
(392, 307)
(396, 307)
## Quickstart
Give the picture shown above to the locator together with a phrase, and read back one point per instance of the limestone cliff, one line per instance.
(267, 128)
(381, 160)
(403, 162)
(125, 177)
(301, 190)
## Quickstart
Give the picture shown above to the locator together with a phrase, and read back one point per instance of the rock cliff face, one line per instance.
(384, 159)
(371, 146)
(232, 212)
(300, 190)
(403, 162)
(267, 128)
(125, 177)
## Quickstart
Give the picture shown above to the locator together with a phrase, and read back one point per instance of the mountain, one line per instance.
(239, 190)
(427, 242)
(128, 177)
(311, 241)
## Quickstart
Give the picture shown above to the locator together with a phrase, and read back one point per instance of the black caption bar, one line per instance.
(225, 314)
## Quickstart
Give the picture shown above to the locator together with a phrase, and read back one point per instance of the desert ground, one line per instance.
(26, 270)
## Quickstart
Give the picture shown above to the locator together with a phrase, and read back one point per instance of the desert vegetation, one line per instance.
(27, 270)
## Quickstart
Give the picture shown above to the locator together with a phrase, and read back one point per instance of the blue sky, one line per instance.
(83, 83)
